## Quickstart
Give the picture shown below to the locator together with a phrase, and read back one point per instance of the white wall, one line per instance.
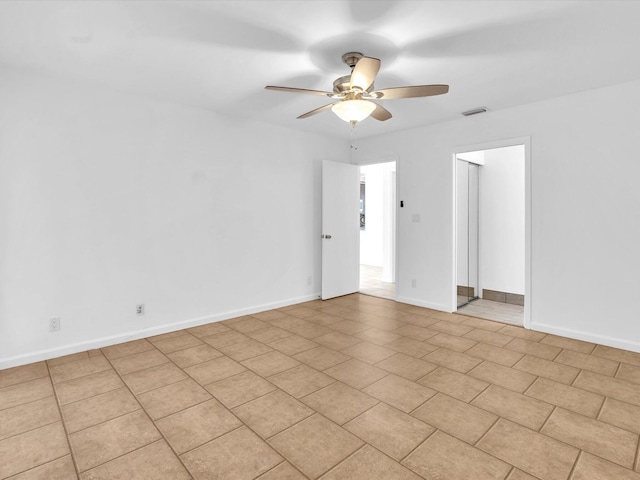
(501, 220)
(371, 237)
(389, 223)
(109, 200)
(584, 233)
(377, 240)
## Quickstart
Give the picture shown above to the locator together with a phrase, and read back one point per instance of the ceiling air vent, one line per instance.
(475, 111)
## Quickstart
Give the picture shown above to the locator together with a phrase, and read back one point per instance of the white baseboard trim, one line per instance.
(586, 336)
(421, 303)
(47, 354)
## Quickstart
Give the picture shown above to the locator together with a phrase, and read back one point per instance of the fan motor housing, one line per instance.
(343, 84)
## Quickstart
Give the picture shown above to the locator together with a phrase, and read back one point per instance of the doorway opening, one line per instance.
(491, 246)
(378, 230)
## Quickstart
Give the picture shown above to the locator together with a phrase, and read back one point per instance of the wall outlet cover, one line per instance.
(54, 324)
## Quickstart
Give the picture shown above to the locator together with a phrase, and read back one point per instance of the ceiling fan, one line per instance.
(354, 92)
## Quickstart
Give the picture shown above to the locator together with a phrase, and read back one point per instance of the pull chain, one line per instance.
(353, 145)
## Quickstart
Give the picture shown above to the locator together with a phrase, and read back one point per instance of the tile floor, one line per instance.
(356, 388)
(490, 310)
(371, 283)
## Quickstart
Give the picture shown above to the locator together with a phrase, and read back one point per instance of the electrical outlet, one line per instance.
(414, 283)
(309, 280)
(140, 309)
(54, 324)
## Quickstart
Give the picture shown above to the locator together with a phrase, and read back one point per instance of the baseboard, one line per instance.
(587, 337)
(421, 303)
(40, 355)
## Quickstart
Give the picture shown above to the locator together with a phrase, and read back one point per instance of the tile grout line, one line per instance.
(105, 421)
(555, 407)
(282, 463)
(615, 374)
(485, 434)
(162, 436)
(527, 428)
(579, 448)
(315, 412)
(345, 459)
(604, 400)
(38, 466)
(81, 376)
(96, 395)
(248, 401)
(573, 468)
(31, 429)
(572, 384)
(242, 425)
(559, 353)
(26, 381)
(30, 401)
(539, 430)
(435, 430)
(596, 455)
(64, 424)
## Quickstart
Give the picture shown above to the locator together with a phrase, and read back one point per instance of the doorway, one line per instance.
(378, 230)
(491, 233)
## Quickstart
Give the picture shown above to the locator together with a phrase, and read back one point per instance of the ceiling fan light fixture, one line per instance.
(353, 111)
(354, 92)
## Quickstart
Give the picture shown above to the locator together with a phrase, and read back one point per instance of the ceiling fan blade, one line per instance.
(298, 90)
(317, 110)
(411, 92)
(381, 113)
(364, 73)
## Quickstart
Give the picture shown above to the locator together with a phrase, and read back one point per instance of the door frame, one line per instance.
(376, 161)
(478, 284)
(510, 142)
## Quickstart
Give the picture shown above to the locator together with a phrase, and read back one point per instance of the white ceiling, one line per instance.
(219, 55)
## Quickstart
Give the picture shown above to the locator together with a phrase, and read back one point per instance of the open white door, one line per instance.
(340, 229)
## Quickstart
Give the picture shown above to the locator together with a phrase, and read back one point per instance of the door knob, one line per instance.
(326, 236)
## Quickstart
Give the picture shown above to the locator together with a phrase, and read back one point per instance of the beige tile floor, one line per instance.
(356, 388)
(371, 283)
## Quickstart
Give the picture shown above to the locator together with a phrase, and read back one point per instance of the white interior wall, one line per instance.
(501, 220)
(377, 240)
(388, 222)
(372, 235)
(110, 200)
(584, 254)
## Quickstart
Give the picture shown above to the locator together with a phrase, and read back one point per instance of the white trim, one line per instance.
(368, 161)
(421, 303)
(587, 337)
(510, 142)
(454, 234)
(40, 355)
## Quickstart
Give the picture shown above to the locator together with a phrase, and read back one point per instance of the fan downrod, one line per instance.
(351, 58)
